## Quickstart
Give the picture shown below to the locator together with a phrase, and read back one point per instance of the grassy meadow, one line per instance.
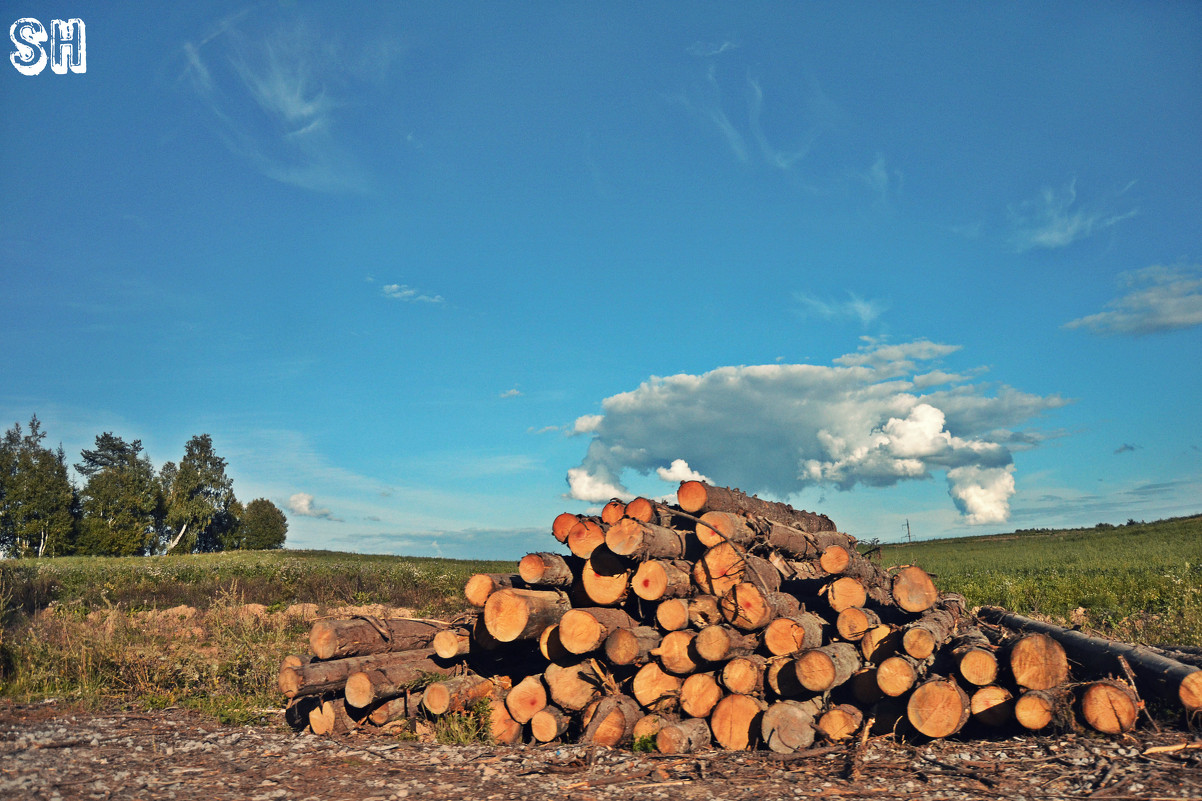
(208, 631)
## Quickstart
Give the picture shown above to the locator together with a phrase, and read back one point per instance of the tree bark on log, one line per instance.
(716, 527)
(585, 630)
(696, 497)
(631, 646)
(335, 639)
(683, 737)
(513, 615)
(1157, 676)
(721, 643)
(642, 541)
(456, 694)
(789, 634)
(820, 669)
(657, 579)
(319, 677)
(378, 682)
(788, 726)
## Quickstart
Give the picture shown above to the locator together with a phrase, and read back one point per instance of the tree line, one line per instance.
(125, 507)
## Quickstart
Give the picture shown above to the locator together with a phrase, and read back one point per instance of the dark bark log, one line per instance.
(697, 497)
(335, 639)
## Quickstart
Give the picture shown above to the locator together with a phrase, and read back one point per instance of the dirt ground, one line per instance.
(56, 751)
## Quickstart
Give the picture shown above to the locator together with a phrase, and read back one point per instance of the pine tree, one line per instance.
(201, 509)
(122, 502)
(38, 505)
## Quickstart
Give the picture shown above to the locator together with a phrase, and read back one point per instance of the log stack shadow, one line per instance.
(723, 620)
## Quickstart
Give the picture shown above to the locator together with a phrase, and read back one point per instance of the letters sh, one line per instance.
(66, 46)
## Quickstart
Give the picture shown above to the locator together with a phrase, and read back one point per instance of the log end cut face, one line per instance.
(913, 589)
(1038, 662)
(938, 708)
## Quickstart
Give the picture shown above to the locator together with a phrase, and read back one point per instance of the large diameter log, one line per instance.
(319, 677)
(511, 615)
(654, 689)
(720, 643)
(744, 675)
(898, 674)
(820, 669)
(480, 586)
(913, 589)
(1037, 661)
(699, 694)
(501, 725)
(605, 577)
(526, 698)
(676, 652)
(562, 525)
(855, 621)
(698, 496)
(788, 726)
(716, 527)
(549, 569)
(585, 536)
(1156, 675)
(938, 708)
(573, 687)
(793, 633)
(631, 646)
(735, 721)
(992, 706)
(639, 540)
(585, 630)
(609, 721)
(840, 722)
(377, 682)
(724, 565)
(549, 723)
(1109, 706)
(613, 512)
(335, 639)
(456, 694)
(660, 578)
(750, 608)
(683, 737)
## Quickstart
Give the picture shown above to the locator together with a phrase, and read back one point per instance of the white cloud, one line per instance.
(1054, 220)
(407, 294)
(587, 423)
(780, 428)
(302, 504)
(511, 393)
(680, 471)
(1161, 299)
(855, 308)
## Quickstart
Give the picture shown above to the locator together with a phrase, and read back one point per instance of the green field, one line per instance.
(97, 630)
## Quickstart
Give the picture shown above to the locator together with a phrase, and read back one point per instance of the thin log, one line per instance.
(400, 708)
(331, 717)
(562, 525)
(549, 723)
(898, 674)
(698, 496)
(672, 614)
(526, 698)
(319, 677)
(660, 578)
(501, 725)
(744, 675)
(820, 669)
(855, 621)
(840, 722)
(631, 646)
(750, 608)
(378, 682)
(716, 527)
(641, 509)
(880, 642)
(721, 642)
(1039, 709)
(335, 639)
(925, 635)
(585, 536)
(1037, 661)
(613, 512)
(676, 652)
(913, 589)
(639, 540)
(456, 694)
(792, 633)
(1157, 675)
(480, 586)
(549, 569)
(683, 737)
(605, 577)
(452, 643)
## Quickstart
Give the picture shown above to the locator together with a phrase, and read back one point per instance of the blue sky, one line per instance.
(431, 273)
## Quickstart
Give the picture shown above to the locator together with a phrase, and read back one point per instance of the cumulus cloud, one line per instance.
(680, 471)
(302, 504)
(407, 294)
(1053, 219)
(780, 428)
(1160, 299)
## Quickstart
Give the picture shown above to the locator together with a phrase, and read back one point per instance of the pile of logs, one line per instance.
(722, 620)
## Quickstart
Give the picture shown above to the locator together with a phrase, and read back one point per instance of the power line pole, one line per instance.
(908, 530)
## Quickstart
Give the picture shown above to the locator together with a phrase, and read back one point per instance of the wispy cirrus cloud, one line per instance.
(408, 294)
(781, 428)
(856, 308)
(1054, 218)
(1159, 299)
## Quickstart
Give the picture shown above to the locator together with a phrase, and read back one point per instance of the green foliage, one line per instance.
(38, 507)
(1140, 582)
(470, 727)
(122, 502)
(262, 527)
(201, 508)
(644, 744)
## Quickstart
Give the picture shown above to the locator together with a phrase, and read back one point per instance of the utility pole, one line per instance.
(908, 530)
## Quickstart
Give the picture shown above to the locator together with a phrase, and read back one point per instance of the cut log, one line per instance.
(1156, 675)
(585, 630)
(452, 643)
(512, 615)
(400, 708)
(526, 698)
(880, 642)
(704, 610)
(562, 525)
(1109, 706)
(922, 637)
(788, 726)
(696, 497)
(319, 677)
(790, 540)
(863, 687)
(840, 722)
(609, 721)
(456, 694)
(835, 559)
(573, 687)
(750, 608)
(297, 710)
(793, 633)
(605, 577)
(480, 586)
(673, 614)
(676, 652)
(549, 569)
(744, 675)
(724, 565)
(613, 512)
(717, 527)
(683, 737)
(381, 682)
(549, 723)
(641, 509)
(1037, 661)
(913, 589)
(639, 540)
(845, 593)
(330, 717)
(551, 647)
(1038, 709)
(992, 706)
(335, 639)
(699, 694)
(503, 729)
(631, 646)
(855, 621)
(938, 708)
(657, 579)
(655, 690)
(975, 664)
(650, 725)
(898, 674)
(820, 669)
(720, 643)
(735, 721)
(585, 536)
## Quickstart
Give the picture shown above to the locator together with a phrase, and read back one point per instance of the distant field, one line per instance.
(1141, 582)
(95, 629)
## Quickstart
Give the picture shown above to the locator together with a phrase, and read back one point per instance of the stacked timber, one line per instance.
(721, 620)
